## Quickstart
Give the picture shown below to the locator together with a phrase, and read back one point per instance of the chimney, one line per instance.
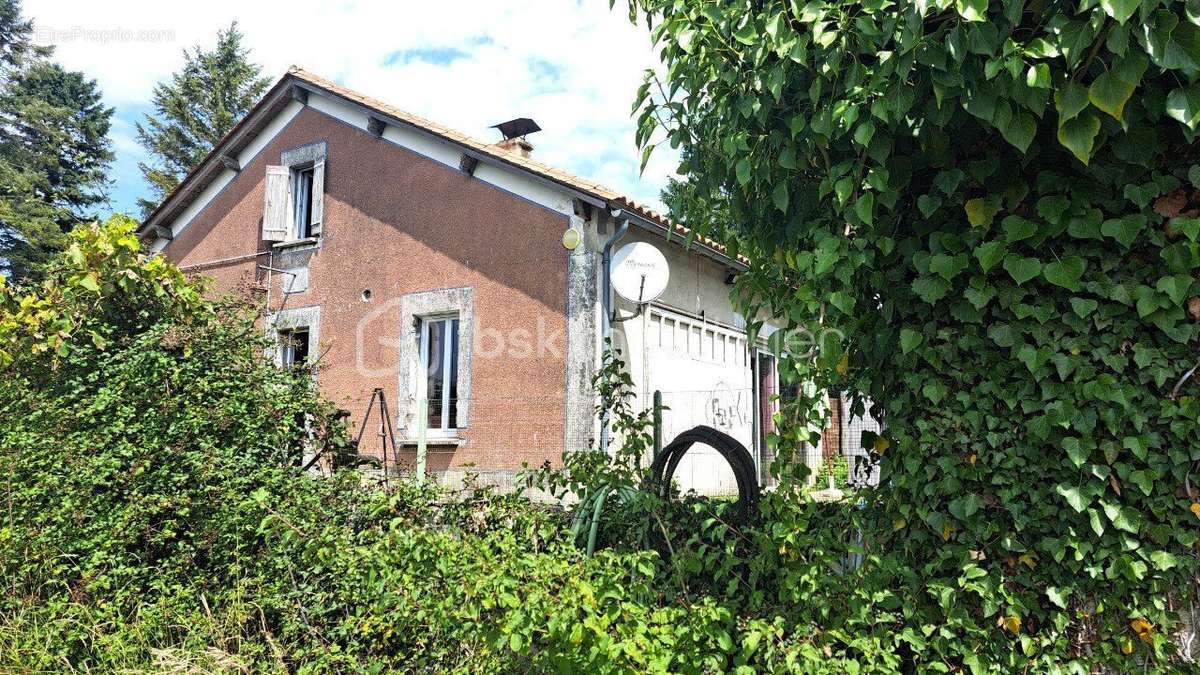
(514, 132)
(517, 146)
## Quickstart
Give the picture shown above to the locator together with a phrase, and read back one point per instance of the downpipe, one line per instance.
(606, 303)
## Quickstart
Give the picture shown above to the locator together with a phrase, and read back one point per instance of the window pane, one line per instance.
(300, 347)
(452, 374)
(303, 197)
(434, 390)
(293, 347)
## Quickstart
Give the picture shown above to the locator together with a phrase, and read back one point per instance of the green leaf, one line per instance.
(1163, 560)
(864, 208)
(1017, 228)
(1188, 227)
(947, 266)
(843, 301)
(1172, 44)
(685, 39)
(1020, 130)
(780, 196)
(1122, 517)
(743, 171)
(1078, 135)
(1144, 480)
(776, 25)
(1183, 104)
(910, 340)
(1124, 230)
(1038, 76)
(90, 282)
(1175, 286)
(747, 34)
(1076, 451)
(990, 254)
(842, 188)
(1065, 272)
(1135, 445)
(787, 158)
(1120, 10)
(1074, 497)
(1058, 596)
(1083, 306)
(972, 10)
(1070, 101)
(1110, 93)
(980, 211)
(928, 205)
(1020, 268)
(931, 288)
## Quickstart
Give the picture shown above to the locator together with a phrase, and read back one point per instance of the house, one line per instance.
(460, 278)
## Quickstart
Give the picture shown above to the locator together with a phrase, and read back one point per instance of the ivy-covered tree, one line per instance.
(996, 203)
(54, 148)
(204, 99)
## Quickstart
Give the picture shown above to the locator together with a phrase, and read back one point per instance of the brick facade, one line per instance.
(398, 223)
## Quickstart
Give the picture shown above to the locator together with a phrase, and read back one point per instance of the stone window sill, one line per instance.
(296, 243)
(445, 441)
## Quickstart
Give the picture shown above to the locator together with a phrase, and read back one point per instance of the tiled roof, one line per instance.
(489, 150)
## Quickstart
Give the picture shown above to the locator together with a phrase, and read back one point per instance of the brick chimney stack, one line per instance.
(518, 146)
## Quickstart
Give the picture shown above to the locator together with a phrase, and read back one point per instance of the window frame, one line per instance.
(294, 197)
(302, 207)
(414, 306)
(288, 341)
(291, 320)
(450, 337)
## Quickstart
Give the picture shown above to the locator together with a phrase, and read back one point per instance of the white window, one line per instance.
(295, 333)
(294, 196)
(302, 197)
(439, 373)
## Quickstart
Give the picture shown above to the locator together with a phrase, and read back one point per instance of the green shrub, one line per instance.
(986, 213)
(154, 519)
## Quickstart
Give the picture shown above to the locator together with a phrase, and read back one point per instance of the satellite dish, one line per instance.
(639, 272)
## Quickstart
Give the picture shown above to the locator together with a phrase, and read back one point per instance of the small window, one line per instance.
(439, 360)
(302, 194)
(294, 347)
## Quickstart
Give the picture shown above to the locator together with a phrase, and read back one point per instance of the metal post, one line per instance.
(422, 423)
(383, 439)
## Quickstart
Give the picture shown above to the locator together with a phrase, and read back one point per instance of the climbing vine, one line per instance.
(996, 204)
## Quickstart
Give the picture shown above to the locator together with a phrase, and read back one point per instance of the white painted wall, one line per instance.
(691, 345)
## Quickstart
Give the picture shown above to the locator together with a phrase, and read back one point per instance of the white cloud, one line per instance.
(573, 67)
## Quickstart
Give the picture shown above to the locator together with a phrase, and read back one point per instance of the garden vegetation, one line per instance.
(988, 210)
(154, 518)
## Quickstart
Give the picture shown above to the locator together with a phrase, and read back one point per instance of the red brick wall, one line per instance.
(396, 223)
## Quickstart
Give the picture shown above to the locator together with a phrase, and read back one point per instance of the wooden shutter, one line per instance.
(277, 216)
(318, 199)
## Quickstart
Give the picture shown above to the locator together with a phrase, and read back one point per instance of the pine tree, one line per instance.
(54, 148)
(193, 111)
(15, 33)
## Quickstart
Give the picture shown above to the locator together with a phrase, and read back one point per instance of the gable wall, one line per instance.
(396, 223)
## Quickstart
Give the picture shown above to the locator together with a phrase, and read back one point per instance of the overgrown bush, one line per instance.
(154, 519)
(995, 205)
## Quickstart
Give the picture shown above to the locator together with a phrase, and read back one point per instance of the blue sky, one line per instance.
(572, 66)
